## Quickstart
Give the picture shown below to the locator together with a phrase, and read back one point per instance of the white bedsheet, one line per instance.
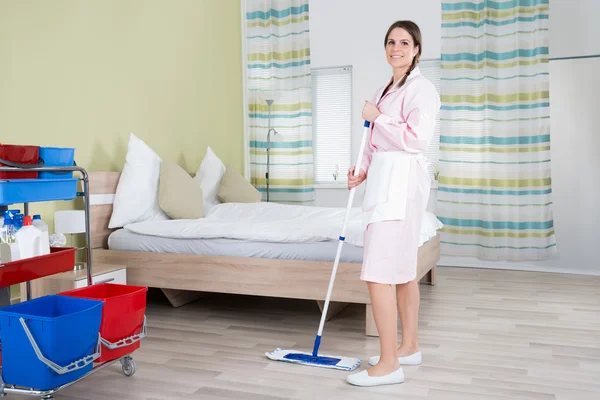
(271, 222)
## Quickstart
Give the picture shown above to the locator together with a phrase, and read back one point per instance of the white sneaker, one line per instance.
(363, 379)
(413, 359)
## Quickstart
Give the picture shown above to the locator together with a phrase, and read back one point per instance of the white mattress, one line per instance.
(127, 240)
(123, 239)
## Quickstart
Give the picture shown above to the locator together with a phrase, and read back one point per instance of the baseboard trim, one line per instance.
(462, 262)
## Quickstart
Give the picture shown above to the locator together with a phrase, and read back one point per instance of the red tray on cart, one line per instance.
(60, 259)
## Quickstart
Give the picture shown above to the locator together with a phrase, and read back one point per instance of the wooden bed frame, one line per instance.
(184, 277)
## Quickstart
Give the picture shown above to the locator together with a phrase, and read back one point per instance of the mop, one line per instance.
(314, 359)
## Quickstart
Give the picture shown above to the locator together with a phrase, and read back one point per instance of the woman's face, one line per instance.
(400, 49)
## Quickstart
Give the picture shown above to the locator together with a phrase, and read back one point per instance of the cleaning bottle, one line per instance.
(29, 239)
(9, 250)
(9, 215)
(7, 233)
(42, 226)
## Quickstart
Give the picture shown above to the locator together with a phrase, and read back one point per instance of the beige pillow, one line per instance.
(234, 188)
(179, 196)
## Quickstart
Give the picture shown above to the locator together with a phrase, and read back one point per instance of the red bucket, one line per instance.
(23, 155)
(123, 320)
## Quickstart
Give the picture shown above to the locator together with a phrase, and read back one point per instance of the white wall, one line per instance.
(355, 36)
(344, 33)
(575, 140)
(574, 28)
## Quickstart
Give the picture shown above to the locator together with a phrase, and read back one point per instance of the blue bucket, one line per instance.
(64, 329)
(57, 157)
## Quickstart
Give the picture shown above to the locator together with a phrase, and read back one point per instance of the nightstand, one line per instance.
(101, 273)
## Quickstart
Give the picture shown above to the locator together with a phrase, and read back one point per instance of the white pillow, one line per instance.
(136, 199)
(209, 177)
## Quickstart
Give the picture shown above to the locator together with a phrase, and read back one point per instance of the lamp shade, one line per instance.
(69, 221)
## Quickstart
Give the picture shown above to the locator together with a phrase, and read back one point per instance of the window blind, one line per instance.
(332, 120)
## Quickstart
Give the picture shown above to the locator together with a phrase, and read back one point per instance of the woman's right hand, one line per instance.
(354, 181)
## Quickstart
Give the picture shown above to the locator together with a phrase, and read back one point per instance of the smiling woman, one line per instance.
(403, 115)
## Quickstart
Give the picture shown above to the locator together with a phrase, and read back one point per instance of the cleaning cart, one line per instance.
(52, 342)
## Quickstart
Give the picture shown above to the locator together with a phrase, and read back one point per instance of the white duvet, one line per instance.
(271, 222)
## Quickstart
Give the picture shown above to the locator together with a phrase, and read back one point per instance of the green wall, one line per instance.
(85, 74)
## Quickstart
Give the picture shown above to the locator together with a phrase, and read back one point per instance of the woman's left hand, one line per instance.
(370, 112)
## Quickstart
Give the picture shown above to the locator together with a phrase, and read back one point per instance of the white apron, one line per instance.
(386, 194)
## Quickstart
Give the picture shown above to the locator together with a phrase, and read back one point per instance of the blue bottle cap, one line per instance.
(37, 216)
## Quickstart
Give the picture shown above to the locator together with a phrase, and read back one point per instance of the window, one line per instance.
(431, 70)
(332, 120)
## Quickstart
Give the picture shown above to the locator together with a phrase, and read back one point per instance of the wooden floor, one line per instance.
(485, 334)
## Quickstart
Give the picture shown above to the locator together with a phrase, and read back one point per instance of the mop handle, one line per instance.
(341, 239)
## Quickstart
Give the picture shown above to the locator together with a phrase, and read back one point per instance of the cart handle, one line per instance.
(23, 166)
(40, 164)
(128, 341)
(74, 366)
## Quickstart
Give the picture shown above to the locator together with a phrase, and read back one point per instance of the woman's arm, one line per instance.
(412, 129)
(369, 149)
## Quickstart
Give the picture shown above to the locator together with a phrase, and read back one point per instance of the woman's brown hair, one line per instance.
(415, 33)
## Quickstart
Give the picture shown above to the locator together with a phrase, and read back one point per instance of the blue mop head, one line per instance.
(325, 361)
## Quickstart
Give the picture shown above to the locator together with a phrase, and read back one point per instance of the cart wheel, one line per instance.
(128, 366)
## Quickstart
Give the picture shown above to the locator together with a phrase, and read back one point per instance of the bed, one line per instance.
(186, 268)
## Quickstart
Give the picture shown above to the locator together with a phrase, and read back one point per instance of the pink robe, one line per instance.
(406, 124)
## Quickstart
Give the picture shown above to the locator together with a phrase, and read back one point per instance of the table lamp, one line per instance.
(70, 222)
(277, 137)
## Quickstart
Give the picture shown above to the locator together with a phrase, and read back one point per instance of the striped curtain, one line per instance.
(278, 69)
(494, 194)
